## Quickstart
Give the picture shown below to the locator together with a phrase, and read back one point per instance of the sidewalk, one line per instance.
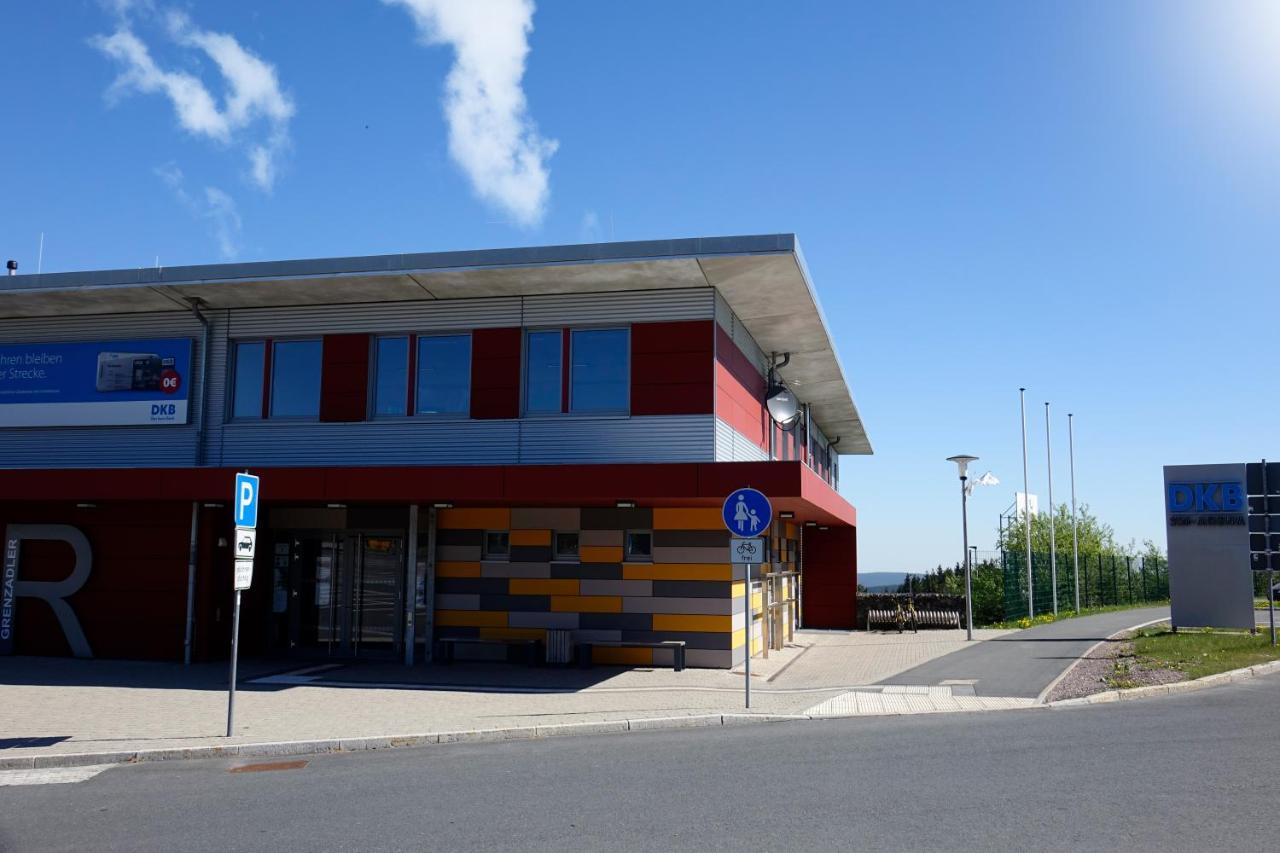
(52, 706)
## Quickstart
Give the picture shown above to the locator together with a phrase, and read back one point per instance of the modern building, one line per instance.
(485, 444)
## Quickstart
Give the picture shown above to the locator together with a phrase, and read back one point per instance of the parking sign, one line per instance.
(246, 500)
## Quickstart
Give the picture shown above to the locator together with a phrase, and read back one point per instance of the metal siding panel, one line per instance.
(428, 315)
(400, 442)
(664, 438)
(733, 446)
(104, 446)
(622, 307)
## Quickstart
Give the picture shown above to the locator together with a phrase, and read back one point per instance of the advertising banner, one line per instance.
(95, 383)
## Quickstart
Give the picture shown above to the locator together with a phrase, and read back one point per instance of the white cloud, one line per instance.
(252, 94)
(491, 135)
(215, 207)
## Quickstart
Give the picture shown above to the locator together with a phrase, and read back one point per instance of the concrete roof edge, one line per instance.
(636, 250)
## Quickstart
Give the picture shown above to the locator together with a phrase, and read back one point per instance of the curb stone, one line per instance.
(361, 744)
(1217, 679)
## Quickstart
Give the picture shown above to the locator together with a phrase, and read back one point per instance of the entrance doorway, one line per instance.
(346, 593)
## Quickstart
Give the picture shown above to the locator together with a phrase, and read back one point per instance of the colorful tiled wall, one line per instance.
(687, 591)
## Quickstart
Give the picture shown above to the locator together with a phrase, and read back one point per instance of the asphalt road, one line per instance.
(1023, 664)
(1190, 772)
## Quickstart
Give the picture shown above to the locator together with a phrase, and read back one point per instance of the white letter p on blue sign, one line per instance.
(246, 500)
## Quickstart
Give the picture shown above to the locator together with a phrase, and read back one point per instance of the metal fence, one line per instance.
(1105, 580)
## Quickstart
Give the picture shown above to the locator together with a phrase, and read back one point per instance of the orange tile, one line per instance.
(622, 657)
(677, 571)
(447, 569)
(600, 554)
(543, 586)
(531, 537)
(586, 604)
(471, 619)
(712, 624)
(688, 518)
(474, 519)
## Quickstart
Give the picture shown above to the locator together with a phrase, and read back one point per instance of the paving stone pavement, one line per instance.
(55, 706)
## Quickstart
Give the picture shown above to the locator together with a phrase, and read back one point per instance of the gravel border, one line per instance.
(1096, 672)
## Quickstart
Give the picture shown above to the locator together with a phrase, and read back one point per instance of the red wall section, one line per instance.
(740, 391)
(344, 378)
(134, 603)
(495, 373)
(671, 368)
(830, 577)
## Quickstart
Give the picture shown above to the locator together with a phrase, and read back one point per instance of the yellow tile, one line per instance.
(471, 619)
(543, 586)
(586, 604)
(531, 537)
(448, 569)
(677, 571)
(469, 518)
(600, 554)
(622, 657)
(739, 637)
(681, 622)
(687, 518)
(513, 633)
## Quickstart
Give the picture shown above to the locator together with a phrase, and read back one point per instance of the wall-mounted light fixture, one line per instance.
(213, 505)
(86, 506)
(823, 527)
(442, 505)
(785, 514)
(811, 524)
(625, 504)
(336, 506)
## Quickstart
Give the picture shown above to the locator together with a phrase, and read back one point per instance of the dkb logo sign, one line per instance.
(1206, 497)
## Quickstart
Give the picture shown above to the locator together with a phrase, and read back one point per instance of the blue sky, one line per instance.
(1079, 198)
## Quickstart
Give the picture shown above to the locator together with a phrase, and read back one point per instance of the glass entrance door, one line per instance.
(346, 594)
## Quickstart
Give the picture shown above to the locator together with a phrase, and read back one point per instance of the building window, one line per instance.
(295, 379)
(542, 372)
(391, 377)
(639, 546)
(444, 375)
(566, 546)
(246, 395)
(497, 545)
(599, 371)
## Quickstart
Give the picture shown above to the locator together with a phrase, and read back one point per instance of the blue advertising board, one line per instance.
(95, 383)
(747, 512)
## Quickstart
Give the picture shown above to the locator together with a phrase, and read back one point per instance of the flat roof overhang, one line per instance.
(790, 486)
(762, 278)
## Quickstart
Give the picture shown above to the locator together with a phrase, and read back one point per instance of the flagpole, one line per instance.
(1053, 541)
(1026, 502)
(1075, 537)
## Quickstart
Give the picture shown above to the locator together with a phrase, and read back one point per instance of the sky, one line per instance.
(1080, 199)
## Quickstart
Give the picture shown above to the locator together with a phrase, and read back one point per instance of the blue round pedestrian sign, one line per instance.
(747, 512)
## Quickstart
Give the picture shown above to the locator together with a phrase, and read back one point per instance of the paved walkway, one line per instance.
(1026, 662)
(56, 706)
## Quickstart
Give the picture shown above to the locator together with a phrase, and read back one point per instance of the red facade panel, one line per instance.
(740, 391)
(830, 577)
(495, 373)
(672, 368)
(344, 378)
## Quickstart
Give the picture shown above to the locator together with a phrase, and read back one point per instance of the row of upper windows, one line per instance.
(564, 370)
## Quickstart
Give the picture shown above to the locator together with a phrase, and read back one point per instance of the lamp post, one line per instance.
(1075, 536)
(1026, 503)
(962, 463)
(1053, 536)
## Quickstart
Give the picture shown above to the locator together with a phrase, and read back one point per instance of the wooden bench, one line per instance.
(446, 646)
(676, 646)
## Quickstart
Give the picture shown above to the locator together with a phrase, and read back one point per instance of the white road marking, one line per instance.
(51, 775)
(910, 699)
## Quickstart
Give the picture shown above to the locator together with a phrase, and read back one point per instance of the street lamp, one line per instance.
(962, 463)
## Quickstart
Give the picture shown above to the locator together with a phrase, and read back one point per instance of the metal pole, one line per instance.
(968, 563)
(746, 661)
(235, 643)
(1026, 502)
(191, 583)
(410, 585)
(1271, 574)
(1053, 540)
(1075, 537)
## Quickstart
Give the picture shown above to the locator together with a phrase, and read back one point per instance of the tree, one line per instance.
(1096, 537)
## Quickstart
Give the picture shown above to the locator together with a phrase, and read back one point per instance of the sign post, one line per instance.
(245, 502)
(747, 514)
